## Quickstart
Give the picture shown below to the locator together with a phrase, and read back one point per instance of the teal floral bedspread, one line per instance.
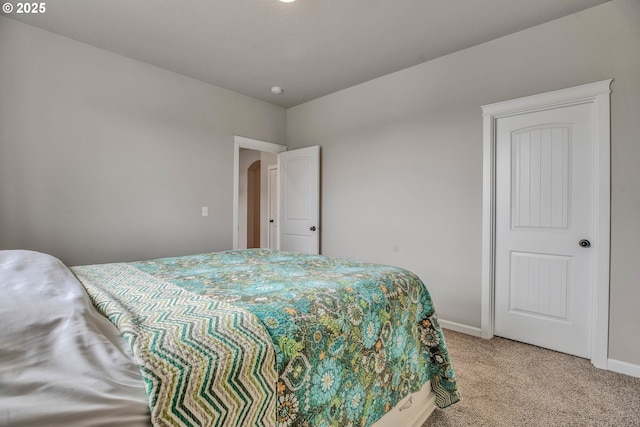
(351, 339)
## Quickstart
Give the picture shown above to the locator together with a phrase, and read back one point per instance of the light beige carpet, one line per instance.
(507, 383)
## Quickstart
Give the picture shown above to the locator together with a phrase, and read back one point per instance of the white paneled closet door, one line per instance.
(544, 227)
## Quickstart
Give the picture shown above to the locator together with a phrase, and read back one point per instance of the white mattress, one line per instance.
(61, 362)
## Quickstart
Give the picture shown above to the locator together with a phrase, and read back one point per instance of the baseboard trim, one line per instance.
(459, 327)
(623, 368)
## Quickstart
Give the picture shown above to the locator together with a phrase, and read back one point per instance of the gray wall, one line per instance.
(103, 158)
(402, 157)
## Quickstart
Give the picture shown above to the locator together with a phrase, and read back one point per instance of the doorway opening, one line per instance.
(253, 198)
(296, 184)
(247, 151)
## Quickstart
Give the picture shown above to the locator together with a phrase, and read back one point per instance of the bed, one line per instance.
(237, 338)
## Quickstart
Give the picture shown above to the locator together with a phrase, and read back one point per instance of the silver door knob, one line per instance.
(584, 243)
(312, 228)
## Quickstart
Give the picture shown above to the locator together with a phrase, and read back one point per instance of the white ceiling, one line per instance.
(309, 47)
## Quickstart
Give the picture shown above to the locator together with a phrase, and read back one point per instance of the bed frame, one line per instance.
(412, 411)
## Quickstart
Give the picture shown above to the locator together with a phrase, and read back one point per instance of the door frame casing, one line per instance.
(251, 144)
(594, 93)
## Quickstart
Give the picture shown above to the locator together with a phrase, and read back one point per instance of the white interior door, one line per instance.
(272, 208)
(544, 277)
(299, 205)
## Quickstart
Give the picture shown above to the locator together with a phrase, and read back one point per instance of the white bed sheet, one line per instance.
(61, 362)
